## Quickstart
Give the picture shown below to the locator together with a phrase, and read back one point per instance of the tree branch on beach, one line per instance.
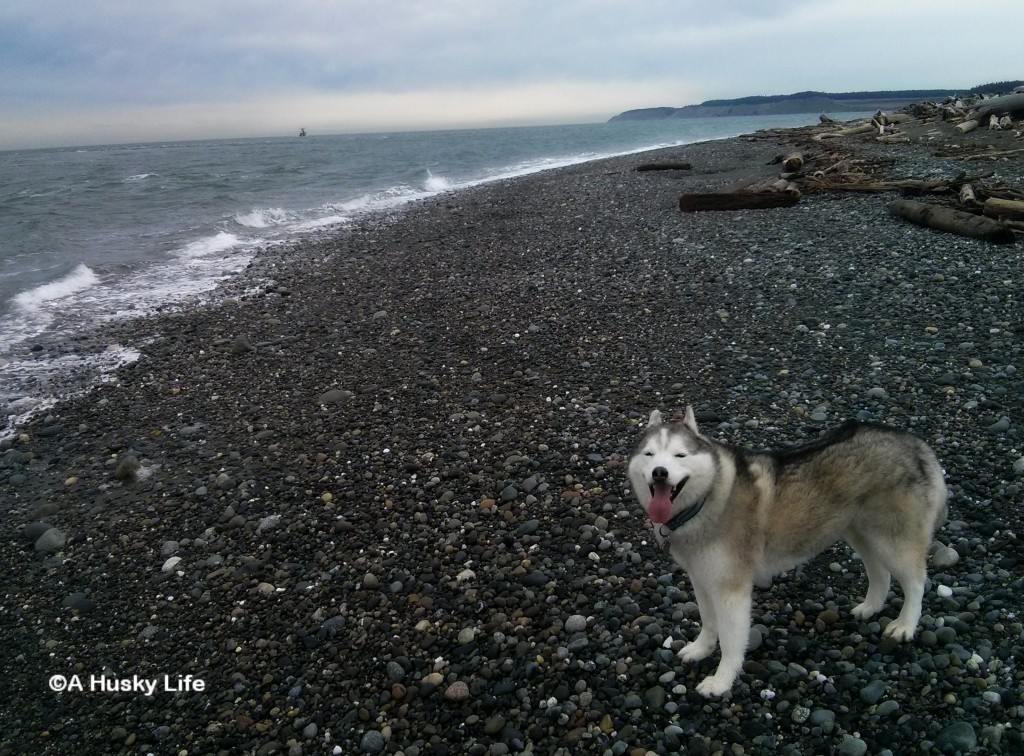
(664, 167)
(690, 203)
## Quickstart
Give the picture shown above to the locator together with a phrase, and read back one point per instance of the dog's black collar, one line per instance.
(682, 518)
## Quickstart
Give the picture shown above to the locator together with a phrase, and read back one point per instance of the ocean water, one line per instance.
(94, 234)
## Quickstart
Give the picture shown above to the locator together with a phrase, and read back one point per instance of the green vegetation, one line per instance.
(995, 87)
(902, 94)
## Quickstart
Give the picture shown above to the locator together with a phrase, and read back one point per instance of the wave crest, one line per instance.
(211, 245)
(436, 183)
(80, 279)
(262, 217)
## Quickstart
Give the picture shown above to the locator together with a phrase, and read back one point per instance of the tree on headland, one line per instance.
(995, 87)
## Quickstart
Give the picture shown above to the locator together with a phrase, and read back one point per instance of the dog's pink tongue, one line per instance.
(659, 508)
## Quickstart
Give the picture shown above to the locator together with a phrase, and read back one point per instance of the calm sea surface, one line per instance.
(92, 234)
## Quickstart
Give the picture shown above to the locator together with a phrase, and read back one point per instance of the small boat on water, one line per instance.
(302, 132)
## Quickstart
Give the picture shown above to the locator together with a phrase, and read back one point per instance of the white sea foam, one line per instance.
(437, 183)
(262, 217)
(211, 245)
(141, 177)
(325, 221)
(58, 377)
(81, 278)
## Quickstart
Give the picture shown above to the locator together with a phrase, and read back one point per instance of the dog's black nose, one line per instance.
(659, 474)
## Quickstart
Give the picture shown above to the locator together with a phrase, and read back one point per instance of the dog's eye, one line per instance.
(680, 455)
(648, 454)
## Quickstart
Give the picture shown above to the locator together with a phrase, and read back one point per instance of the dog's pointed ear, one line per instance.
(655, 419)
(690, 420)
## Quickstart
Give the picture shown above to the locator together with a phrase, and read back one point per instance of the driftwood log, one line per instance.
(793, 162)
(866, 128)
(954, 221)
(664, 167)
(1006, 105)
(967, 196)
(1002, 208)
(967, 126)
(691, 203)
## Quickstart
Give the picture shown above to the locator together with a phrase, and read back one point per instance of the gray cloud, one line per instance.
(99, 56)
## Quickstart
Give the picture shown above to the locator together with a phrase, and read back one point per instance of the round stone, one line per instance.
(457, 691)
(577, 623)
(51, 541)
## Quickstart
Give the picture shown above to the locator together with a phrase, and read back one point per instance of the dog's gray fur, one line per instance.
(758, 513)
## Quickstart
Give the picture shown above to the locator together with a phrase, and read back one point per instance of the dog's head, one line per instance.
(673, 466)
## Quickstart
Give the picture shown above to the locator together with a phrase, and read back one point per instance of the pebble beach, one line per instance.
(374, 500)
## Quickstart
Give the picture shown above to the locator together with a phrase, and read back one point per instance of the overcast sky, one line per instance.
(104, 71)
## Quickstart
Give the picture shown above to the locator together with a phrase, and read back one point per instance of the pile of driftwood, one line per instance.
(972, 206)
(994, 113)
(821, 162)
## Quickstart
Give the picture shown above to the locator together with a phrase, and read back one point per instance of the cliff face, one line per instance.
(770, 106)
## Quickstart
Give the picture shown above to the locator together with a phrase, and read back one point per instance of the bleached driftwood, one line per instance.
(967, 196)
(1006, 105)
(967, 126)
(954, 221)
(866, 128)
(1005, 209)
(993, 155)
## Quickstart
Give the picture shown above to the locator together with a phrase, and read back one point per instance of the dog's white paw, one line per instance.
(899, 631)
(711, 687)
(695, 651)
(865, 610)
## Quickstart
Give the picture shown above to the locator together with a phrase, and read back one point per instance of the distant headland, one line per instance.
(809, 102)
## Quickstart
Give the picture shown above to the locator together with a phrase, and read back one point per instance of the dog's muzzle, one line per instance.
(662, 480)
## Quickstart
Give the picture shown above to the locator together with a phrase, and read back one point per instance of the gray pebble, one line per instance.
(333, 396)
(958, 737)
(51, 541)
(527, 528)
(851, 746)
(945, 557)
(33, 530)
(822, 717)
(577, 623)
(1000, 426)
(371, 742)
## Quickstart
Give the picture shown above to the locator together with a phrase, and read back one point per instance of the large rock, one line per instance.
(334, 396)
(51, 541)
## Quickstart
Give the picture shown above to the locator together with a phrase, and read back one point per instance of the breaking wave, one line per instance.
(211, 245)
(262, 217)
(80, 279)
(437, 183)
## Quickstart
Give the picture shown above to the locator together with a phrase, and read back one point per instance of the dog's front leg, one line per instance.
(732, 611)
(706, 640)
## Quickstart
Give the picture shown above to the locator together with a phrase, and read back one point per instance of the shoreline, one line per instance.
(67, 361)
(394, 479)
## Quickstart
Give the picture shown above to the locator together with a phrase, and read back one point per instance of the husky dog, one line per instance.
(733, 517)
